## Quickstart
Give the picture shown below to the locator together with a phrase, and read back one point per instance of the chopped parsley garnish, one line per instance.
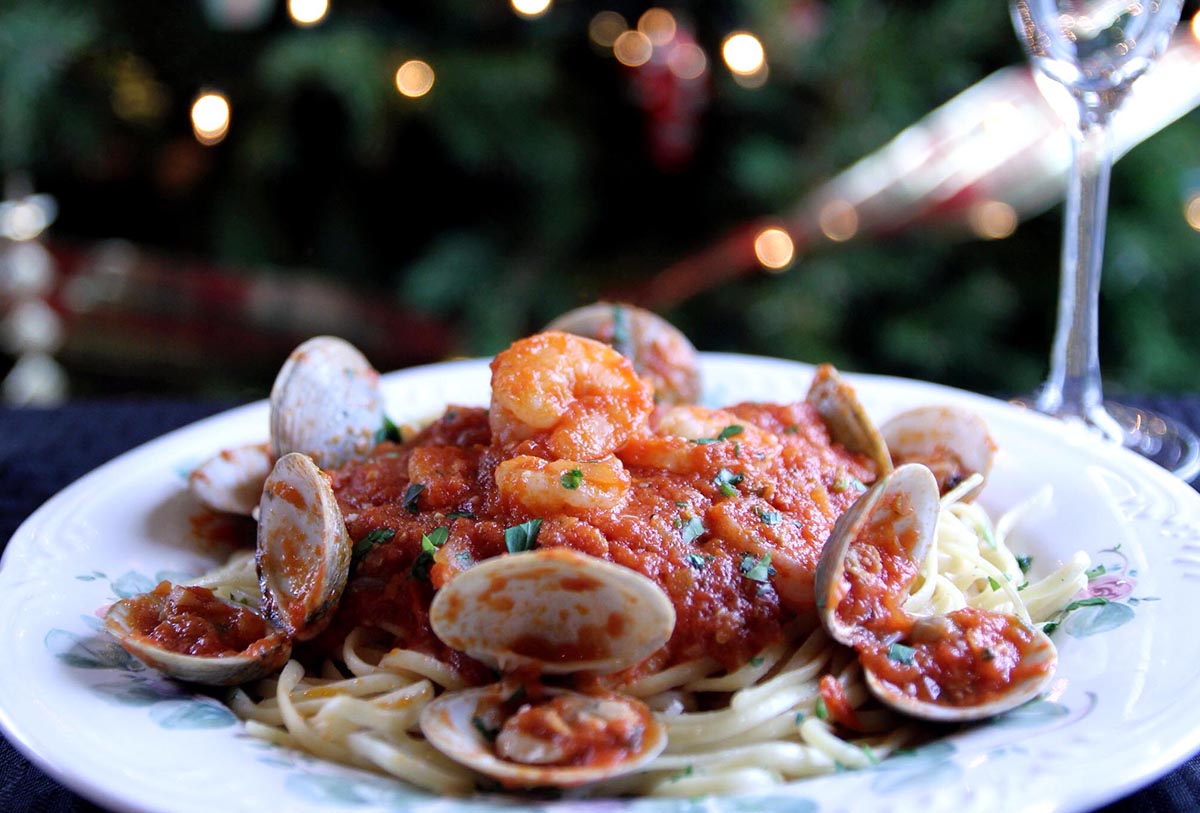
(799, 718)
(1022, 586)
(820, 710)
(757, 660)
(622, 339)
(680, 774)
(518, 695)
(376, 537)
(758, 570)
(1024, 561)
(453, 515)
(389, 431)
(693, 529)
(793, 429)
(847, 483)
(769, 517)
(995, 585)
(521, 537)
(465, 557)
(726, 482)
(572, 479)
(487, 733)
(410, 496)
(987, 654)
(430, 543)
(902, 654)
(725, 434)
(698, 560)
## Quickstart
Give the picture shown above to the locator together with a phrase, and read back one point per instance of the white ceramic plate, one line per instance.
(1124, 708)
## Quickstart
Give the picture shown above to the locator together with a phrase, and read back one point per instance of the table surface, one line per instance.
(35, 463)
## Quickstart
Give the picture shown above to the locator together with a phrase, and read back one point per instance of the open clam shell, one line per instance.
(1040, 659)
(849, 424)
(303, 551)
(232, 479)
(875, 512)
(190, 634)
(326, 403)
(592, 736)
(659, 350)
(555, 611)
(953, 442)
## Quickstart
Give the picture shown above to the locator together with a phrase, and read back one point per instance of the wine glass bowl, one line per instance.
(1095, 49)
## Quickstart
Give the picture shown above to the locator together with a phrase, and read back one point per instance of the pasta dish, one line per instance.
(587, 586)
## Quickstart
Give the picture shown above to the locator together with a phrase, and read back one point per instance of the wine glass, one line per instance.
(1095, 49)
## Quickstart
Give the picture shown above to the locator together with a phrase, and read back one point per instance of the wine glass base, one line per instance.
(1158, 438)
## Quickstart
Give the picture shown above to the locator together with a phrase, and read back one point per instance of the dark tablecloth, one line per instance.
(42, 451)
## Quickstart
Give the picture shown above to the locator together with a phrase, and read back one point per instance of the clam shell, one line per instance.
(303, 552)
(554, 610)
(849, 424)
(1014, 696)
(232, 480)
(455, 725)
(264, 656)
(919, 484)
(953, 442)
(326, 403)
(659, 350)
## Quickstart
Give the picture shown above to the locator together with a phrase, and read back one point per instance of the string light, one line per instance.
(743, 53)
(307, 12)
(530, 8)
(1191, 212)
(633, 48)
(210, 118)
(687, 60)
(659, 25)
(1196, 25)
(838, 220)
(755, 80)
(605, 27)
(414, 78)
(992, 219)
(774, 248)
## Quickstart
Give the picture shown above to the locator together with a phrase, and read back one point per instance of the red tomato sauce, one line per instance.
(578, 735)
(193, 621)
(967, 658)
(696, 530)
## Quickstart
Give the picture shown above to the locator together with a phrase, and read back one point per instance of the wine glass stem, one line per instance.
(1073, 389)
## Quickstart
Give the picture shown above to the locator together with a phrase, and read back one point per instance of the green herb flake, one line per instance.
(572, 479)
(995, 585)
(430, 543)
(799, 718)
(487, 733)
(389, 431)
(847, 483)
(757, 660)
(698, 561)
(1022, 586)
(769, 517)
(902, 654)
(987, 654)
(820, 710)
(870, 755)
(757, 570)
(376, 537)
(1024, 561)
(726, 482)
(520, 538)
(410, 496)
(693, 529)
(453, 515)
(793, 429)
(518, 696)
(680, 774)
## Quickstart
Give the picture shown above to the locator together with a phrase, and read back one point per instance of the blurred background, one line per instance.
(190, 189)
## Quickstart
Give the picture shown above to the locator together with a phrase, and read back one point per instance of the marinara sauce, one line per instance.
(193, 621)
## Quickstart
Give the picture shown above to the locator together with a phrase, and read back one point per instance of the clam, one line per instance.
(553, 611)
(953, 442)
(303, 552)
(232, 480)
(963, 666)
(537, 736)
(190, 634)
(326, 403)
(848, 422)
(658, 350)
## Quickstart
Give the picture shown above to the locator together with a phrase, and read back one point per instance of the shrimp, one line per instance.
(563, 486)
(689, 439)
(580, 397)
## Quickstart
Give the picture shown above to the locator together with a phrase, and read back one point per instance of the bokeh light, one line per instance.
(605, 27)
(774, 248)
(307, 12)
(743, 53)
(658, 24)
(838, 220)
(531, 8)
(1196, 25)
(210, 118)
(633, 48)
(753, 81)
(1191, 212)
(414, 78)
(687, 60)
(992, 219)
